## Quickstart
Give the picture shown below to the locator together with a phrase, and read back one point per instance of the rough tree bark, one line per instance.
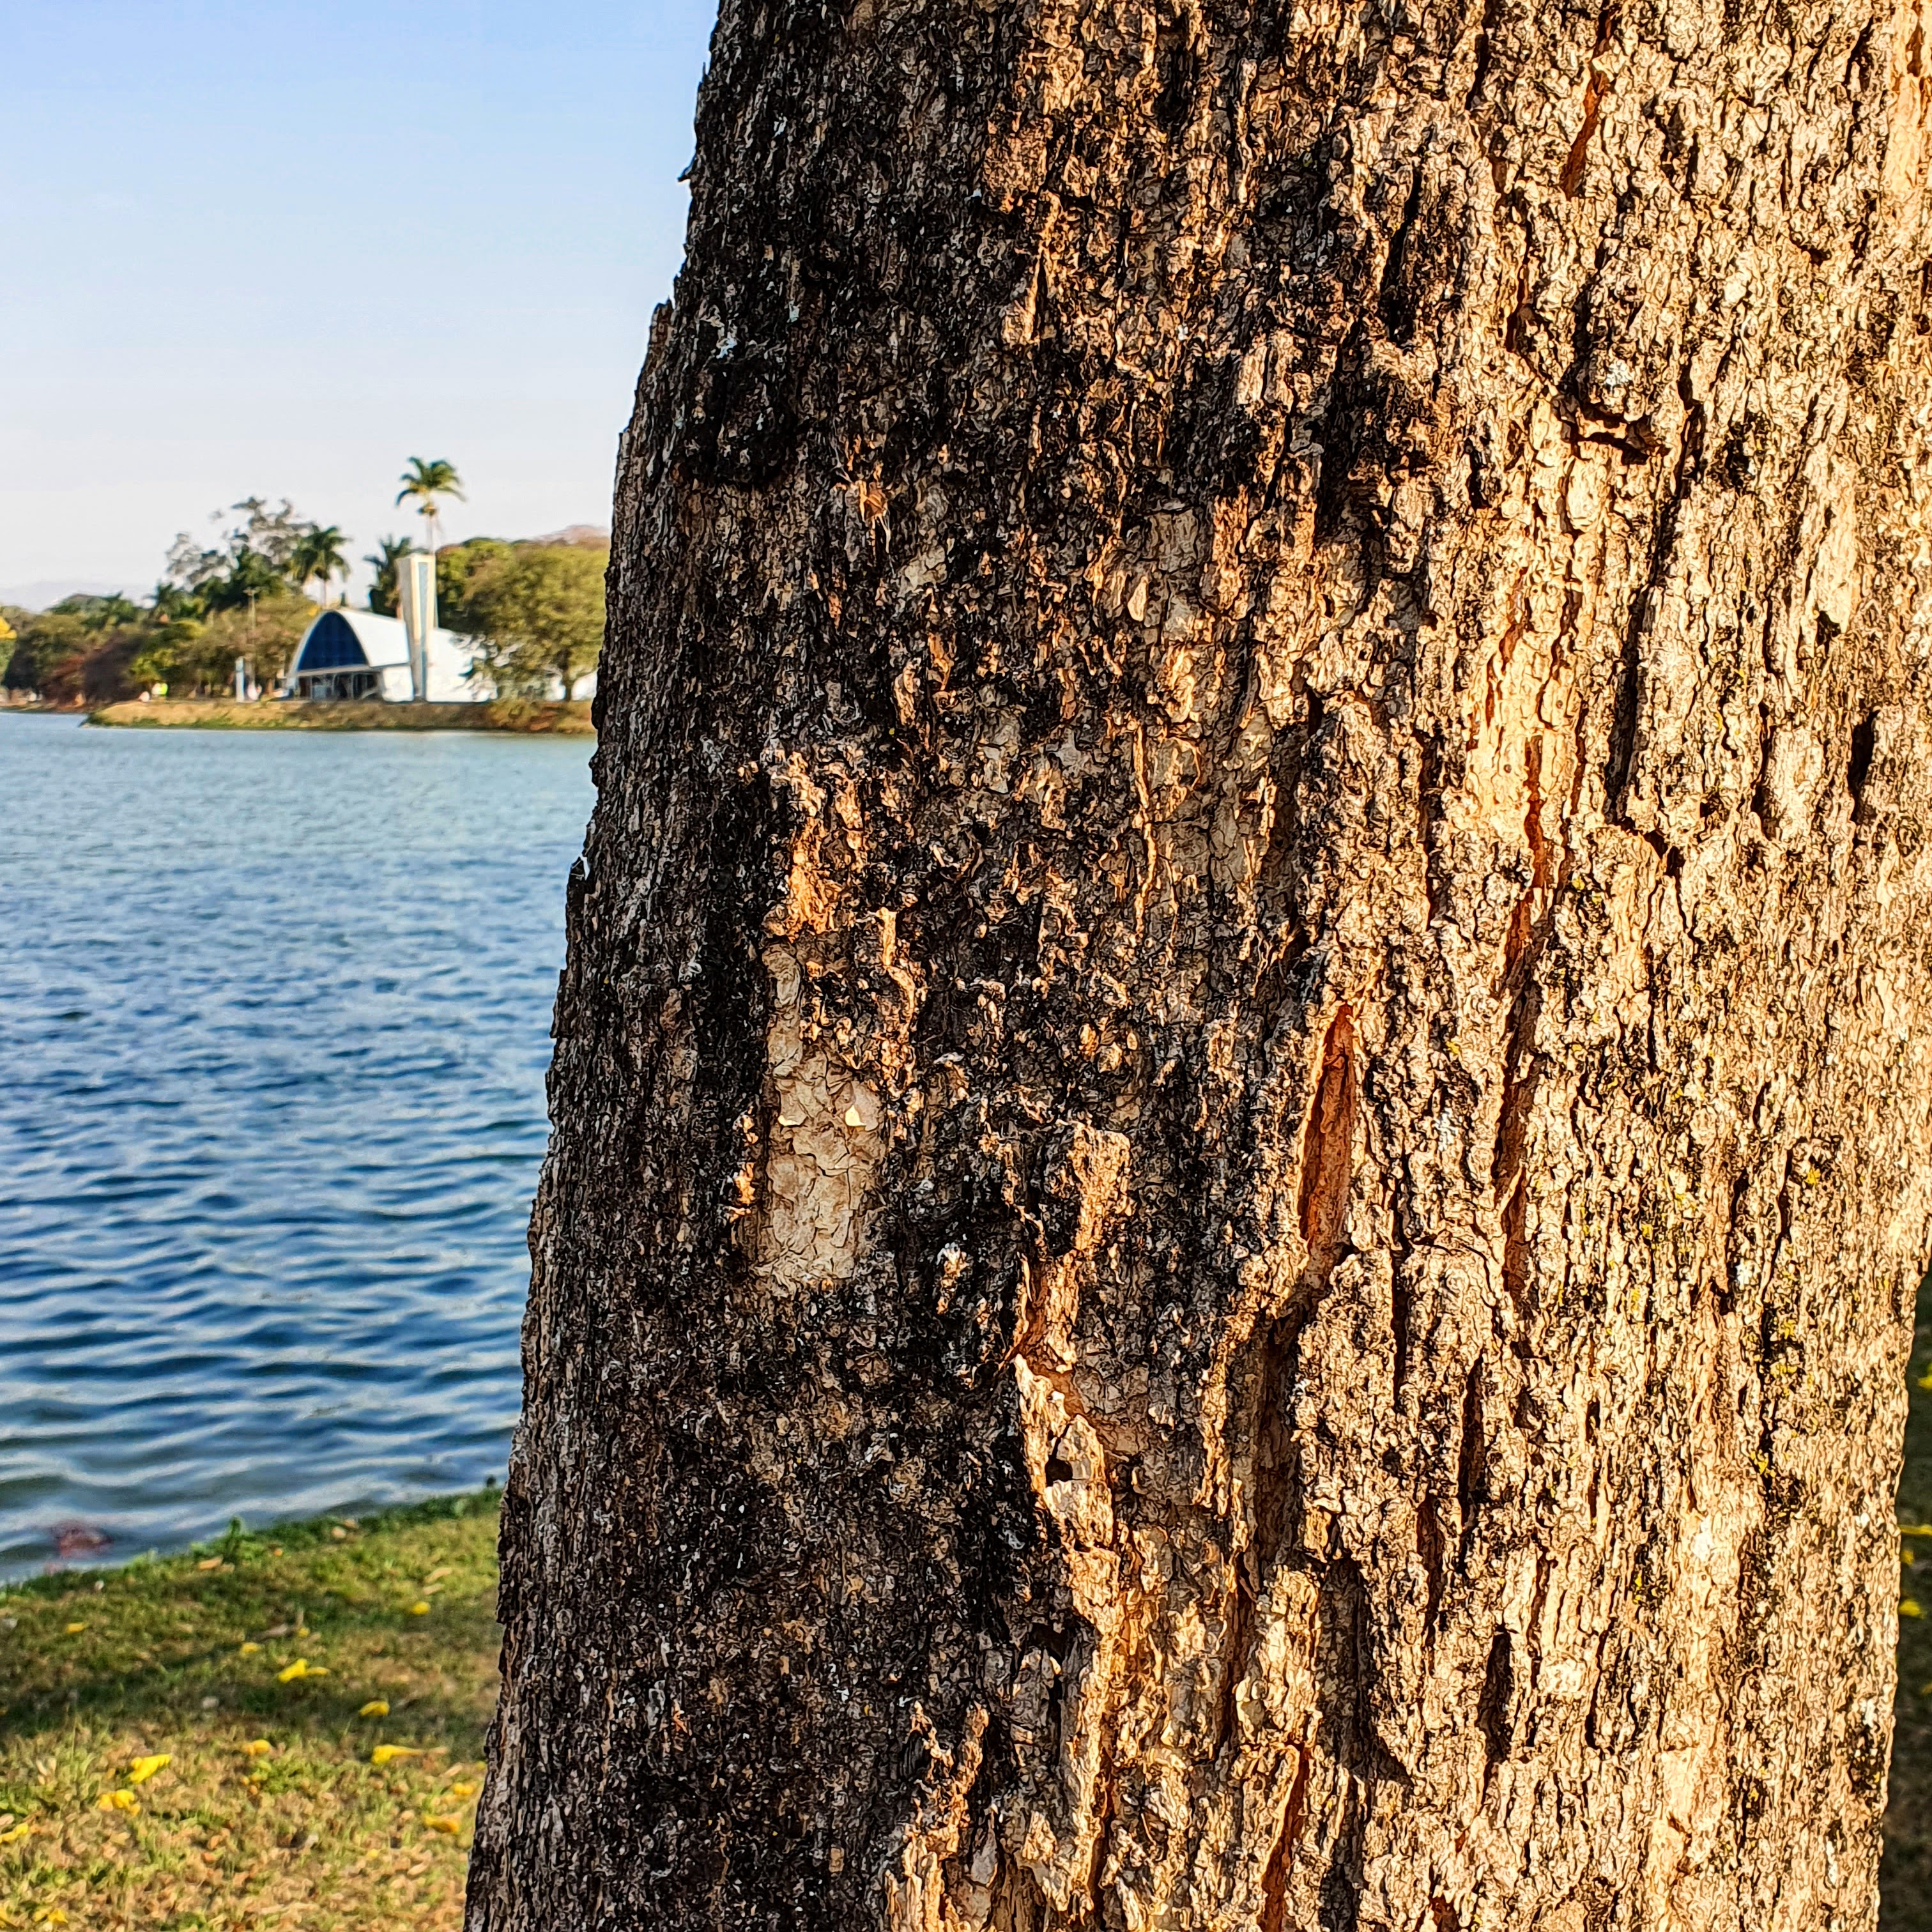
(1241, 1096)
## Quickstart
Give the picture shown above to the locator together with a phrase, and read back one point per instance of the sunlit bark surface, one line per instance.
(1241, 1096)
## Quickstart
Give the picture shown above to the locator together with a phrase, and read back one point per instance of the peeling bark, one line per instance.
(1241, 1095)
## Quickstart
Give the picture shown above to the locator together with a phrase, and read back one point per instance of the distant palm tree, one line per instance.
(172, 602)
(387, 560)
(318, 552)
(425, 482)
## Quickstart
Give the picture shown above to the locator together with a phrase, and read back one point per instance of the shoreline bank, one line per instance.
(530, 716)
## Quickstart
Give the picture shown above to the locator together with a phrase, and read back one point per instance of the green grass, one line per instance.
(183, 1657)
(1906, 1885)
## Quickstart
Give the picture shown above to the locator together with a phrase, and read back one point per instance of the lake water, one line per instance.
(274, 1015)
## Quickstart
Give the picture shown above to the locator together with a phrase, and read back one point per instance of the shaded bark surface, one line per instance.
(1241, 1094)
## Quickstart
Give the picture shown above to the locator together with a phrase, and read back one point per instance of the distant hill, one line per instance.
(584, 536)
(50, 590)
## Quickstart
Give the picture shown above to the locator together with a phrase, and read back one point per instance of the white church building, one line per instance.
(347, 653)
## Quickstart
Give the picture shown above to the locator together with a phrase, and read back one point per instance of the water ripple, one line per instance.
(275, 1013)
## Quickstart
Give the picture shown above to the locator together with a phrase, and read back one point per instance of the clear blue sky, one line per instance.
(267, 248)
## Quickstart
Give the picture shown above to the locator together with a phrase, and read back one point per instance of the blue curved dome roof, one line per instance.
(330, 643)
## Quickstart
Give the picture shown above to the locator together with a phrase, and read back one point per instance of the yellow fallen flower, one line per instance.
(1908, 1606)
(143, 1768)
(451, 1825)
(462, 1791)
(250, 1649)
(382, 1753)
(119, 1801)
(258, 1747)
(419, 1609)
(302, 1667)
(14, 1837)
(1915, 1529)
(74, 1629)
(376, 1708)
(52, 1915)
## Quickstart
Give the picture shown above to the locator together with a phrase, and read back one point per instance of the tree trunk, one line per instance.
(1241, 1097)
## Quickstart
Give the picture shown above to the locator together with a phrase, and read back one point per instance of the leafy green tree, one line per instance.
(457, 567)
(267, 637)
(26, 648)
(170, 603)
(318, 554)
(196, 655)
(539, 612)
(251, 576)
(425, 483)
(164, 656)
(386, 560)
(70, 655)
(53, 648)
(253, 559)
(276, 534)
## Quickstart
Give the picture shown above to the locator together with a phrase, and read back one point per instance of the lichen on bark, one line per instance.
(1241, 1095)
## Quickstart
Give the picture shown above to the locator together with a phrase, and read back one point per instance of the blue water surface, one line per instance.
(275, 1013)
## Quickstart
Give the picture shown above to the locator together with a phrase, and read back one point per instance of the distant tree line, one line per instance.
(244, 595)
(536, 610)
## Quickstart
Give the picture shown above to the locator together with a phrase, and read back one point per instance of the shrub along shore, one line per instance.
(285, 1728)
(296, 714)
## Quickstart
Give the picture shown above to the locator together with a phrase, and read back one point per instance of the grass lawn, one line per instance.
(255, 1668)
(1906, 1883)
